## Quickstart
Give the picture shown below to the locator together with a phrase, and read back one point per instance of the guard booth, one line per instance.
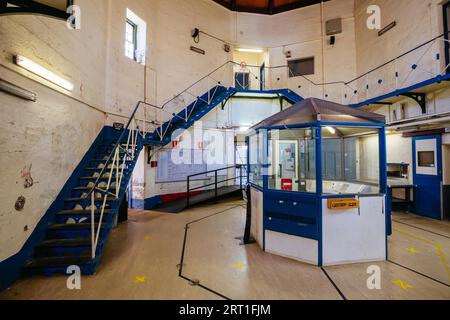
(317, 173)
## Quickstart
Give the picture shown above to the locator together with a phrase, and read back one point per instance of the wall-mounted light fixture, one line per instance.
(33, 67)
(14, 90)
(250, 50)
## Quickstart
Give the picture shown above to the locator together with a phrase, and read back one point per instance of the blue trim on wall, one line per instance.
(150, 203)
(11, 268)
(147, 204)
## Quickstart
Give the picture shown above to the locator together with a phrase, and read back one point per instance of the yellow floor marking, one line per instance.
(436, 245)
(139, 280)
(147, 238)
(402, 284)
(415, 237)
(443, 259)
(413, 250)
(239, 266)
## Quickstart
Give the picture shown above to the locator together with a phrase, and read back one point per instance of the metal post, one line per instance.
(215, 188)
(188, 188)
(240, 177)
(93, 224)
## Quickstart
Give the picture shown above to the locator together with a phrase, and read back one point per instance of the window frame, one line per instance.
(290, 70)
(134, 43)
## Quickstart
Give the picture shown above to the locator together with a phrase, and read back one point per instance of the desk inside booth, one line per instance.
(318, 181)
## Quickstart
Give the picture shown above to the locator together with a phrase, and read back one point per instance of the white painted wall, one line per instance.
(417, 22)
(171, 66)
(306, 38)
(446, 164)
(53, 134)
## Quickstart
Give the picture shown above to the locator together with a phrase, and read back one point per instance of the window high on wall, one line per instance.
(131, 40)
(135, 37)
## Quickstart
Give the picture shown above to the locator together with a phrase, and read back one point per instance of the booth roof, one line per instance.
(313, 110)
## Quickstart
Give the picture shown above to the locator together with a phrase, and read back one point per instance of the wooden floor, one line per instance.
(141, 258)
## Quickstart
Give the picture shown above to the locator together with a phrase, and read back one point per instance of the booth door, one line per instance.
(287, 165)
(427, 163)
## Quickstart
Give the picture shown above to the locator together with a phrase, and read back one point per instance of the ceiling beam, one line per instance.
(32, 7)
(271, 8)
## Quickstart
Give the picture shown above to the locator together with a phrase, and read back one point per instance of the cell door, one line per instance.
(427, 172)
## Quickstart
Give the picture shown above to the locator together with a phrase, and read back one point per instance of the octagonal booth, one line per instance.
(317, 174)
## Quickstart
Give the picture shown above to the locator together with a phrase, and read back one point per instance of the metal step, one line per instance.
(58, 261)
(74, 226)
(65, 243)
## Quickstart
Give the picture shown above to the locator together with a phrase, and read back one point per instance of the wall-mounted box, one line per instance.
(333, 27)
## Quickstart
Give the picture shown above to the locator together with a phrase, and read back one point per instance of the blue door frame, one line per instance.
(428, 194)
(262, 74)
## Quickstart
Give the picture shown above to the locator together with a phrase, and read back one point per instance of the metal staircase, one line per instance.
(79, 228)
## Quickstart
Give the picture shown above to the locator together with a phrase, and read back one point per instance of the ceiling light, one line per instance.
(33, 67)
(331, 130)
(250, 50)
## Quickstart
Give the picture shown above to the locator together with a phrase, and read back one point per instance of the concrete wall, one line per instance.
(300, 32)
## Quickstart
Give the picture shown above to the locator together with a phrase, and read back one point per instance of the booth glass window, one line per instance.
(256, 159)
(350, 160)
(292, 156)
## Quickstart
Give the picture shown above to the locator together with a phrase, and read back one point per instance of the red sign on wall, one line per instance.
(286, 184)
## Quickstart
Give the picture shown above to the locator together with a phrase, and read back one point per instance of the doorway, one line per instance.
(242, 81)
(427, 173)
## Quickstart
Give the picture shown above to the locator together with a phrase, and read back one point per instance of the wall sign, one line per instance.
(198, 50)
(343, 204)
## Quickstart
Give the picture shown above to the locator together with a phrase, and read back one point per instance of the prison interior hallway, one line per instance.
(142, 261)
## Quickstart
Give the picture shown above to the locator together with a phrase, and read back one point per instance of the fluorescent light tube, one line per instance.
(10, 88)
(250, 50)
(244, 129)
(33, 67)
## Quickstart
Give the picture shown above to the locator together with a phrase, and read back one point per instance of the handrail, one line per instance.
(216, 182)
(114, 159)
(211, 171)
(119, 141)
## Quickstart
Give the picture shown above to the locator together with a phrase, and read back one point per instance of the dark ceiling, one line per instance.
(266, 6)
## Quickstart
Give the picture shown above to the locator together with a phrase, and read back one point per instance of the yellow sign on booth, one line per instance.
(343, 204)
